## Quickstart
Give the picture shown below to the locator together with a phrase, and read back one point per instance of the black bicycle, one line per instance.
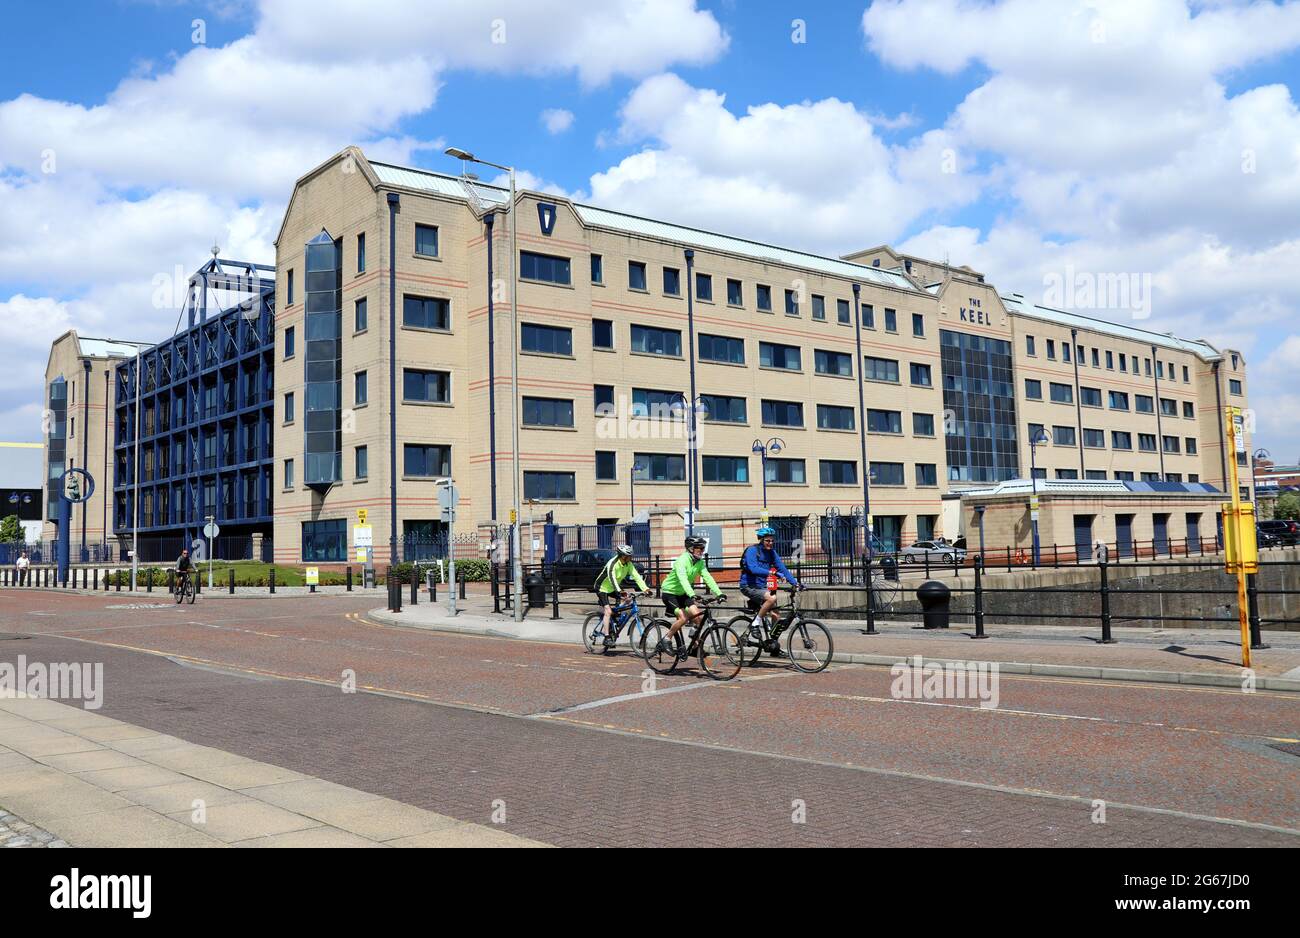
(626, 615)
(717, 645)
(808, 643)
(184, 588)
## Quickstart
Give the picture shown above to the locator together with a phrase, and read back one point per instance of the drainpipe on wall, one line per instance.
(490, 219)
(394, 206)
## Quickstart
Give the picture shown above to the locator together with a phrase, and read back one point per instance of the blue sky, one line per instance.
(1104, 136)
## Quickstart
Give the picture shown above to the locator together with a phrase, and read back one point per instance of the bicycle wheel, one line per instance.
(661, 662)
(809, 646)
(749, 651)
(636, 627)
(189, 591)
(721, 654)
(178, 591)
(593, 636)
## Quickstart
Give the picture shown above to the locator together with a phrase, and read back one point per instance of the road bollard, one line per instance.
(271, 579)
(1252, 598)
(415, 589)
(1106, 638)
(232, 582)
(118, 577)
(171, 582)
(979, 602)
(349, 579)
(148, 580)
(555, 594)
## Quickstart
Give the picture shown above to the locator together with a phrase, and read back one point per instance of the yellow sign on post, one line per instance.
(362, 513)
(313, 576)
(1239, 529)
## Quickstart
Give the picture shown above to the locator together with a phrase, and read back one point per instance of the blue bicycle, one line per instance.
(625, 615)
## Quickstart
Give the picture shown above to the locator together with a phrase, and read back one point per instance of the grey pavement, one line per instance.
(70, 776)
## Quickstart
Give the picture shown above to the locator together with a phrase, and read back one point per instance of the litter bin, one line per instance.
(889, 567)
(934, 598)
(535, 586)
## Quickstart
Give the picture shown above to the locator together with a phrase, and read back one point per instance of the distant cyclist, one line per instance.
(760, 565)
(610, 584)
(184, 566)
(678, 589)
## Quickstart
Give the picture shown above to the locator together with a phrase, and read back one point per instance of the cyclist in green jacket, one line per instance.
(610, 584)
(678, 588)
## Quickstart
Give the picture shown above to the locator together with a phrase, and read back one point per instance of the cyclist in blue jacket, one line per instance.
(756, 566)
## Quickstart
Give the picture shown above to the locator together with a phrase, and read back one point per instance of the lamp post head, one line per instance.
(775, 446)
(460, 154)
(758, 448)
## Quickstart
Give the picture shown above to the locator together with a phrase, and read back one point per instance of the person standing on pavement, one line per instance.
(23, 564)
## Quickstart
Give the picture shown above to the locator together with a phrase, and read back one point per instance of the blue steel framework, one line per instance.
(206, 418)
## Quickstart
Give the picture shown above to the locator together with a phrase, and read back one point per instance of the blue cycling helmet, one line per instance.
(765, 531)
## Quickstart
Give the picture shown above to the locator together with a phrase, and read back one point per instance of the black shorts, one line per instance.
(608, 599)
(673, 602)
(757, 595)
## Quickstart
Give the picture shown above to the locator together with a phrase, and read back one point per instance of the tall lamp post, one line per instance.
(761, 449)
(1036, 439)
(692, 469)
(1260, 453)
(862, 421)
(517, 585)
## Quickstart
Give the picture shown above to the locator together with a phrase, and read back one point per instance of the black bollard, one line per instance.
(232, 582)
(934, 597)
(979, 600)
(349, 578)
(271, 579)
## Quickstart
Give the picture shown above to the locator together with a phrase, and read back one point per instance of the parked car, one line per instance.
(1265, 539)
(934, 552)
(1286, 532)
(578, 569)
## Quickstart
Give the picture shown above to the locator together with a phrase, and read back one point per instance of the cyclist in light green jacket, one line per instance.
(609, 584)
(678, 588)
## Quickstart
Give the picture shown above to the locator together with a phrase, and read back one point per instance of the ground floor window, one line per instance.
(325, 541)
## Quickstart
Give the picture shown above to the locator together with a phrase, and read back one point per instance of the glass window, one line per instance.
(288, 407)
(1033, 389)
(704, 287)
(833, 363)
(361, 469)
(771, 355)
(1171, 444)
(545, 268)
(1063, 436)
(660, 467)
(360, 317)
(868, 316)
(1191, 445)
(735, 293)
(927, 474)
(288, 473)
(719, 348)
(1118, 400)
(325, 541)
(1189, 409)
(1094, 439)
(819, 308)
(725, 469)
(923, 424)
(763, 297)
(880, 369)
(918, 325)
(426, 240)
(724, 409)
(361, 253)
(833, 417)
(891, 320)
(838, 472)
(1147, 442)
(791, 303)
(636, 275)
(604, 395)
(547, 340)
(884, 421)
(602, 333)
(288, 342)
(921, 376)
(597, 269)
(289, 288)
(1145, 404)
(672, 281)
(1067, 473)
(661, 405)
(1029, 345)
(1168, 407)
(1090, 397)
(1234, 386)
(550, 486)
(1121, 439)
(783, 413)
(426, 386)
(887, 473)
(1062, 393)
(606, 465)
(842, 312)
(423, 312)
(652, 341)
(423, 461)
(790, 471)
(547, 412)
(360, 390)
(1051, 349)
(1065, 351)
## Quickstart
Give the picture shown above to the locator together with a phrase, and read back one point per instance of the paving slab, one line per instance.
(131, 825)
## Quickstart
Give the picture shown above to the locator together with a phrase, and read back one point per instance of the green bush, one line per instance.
(471, 570)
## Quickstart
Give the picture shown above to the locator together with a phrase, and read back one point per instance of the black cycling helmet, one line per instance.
(695, 541)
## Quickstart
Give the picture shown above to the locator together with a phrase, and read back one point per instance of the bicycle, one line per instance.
(627, 614)
(717, 645)
(808, 642)
(184, 588)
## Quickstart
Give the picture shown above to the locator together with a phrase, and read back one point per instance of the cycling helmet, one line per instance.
(766, 531)
(624, 550)
(694, 541)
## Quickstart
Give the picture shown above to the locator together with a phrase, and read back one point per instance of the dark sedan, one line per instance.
(578, 569)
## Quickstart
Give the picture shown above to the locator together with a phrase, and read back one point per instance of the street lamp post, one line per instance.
(761, 449)
(692, 469)
(1260, 453)
(1035, 440)
(517, 585)
(862, 420)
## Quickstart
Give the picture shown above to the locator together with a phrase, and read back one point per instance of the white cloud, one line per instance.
(556, 120)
